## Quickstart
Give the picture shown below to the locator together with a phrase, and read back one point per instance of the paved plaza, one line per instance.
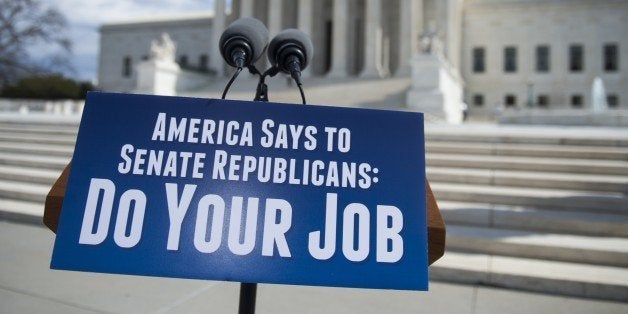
(27, 285)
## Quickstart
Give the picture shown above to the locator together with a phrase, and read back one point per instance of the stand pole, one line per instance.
(248, 291)
(248, 294)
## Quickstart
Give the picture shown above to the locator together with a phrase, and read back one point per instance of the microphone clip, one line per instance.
(261, 93)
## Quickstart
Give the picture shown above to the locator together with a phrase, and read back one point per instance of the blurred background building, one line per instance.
(501, 54)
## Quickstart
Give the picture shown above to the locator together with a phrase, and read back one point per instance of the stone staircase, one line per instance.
(538, 209)
(531, 208)
(33, 152)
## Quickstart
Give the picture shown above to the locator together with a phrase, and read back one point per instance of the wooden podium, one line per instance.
(435, 223)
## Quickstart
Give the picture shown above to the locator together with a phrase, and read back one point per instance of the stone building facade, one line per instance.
(543, 53)
(124, 45)
(508, 52)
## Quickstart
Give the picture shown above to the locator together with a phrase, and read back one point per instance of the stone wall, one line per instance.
(525, 24)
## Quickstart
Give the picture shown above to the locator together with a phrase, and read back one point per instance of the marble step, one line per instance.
(22, 211)
(585, 182)
(568, 200)
(585, 166)
(535, 275)
(28, 175)
(40, 120)
(540, 140)
(538, 135)
(28, 160)
(37, 149)
(39, 129)
(529, 150)
(610, 251)
(30, 192)
(27, 139)
(522, 218)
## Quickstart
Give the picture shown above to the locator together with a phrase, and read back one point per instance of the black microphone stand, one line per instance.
(261, 94)
(248, 295)
(248, 291)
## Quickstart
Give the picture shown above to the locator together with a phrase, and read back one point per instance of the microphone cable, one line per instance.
(302, 93)
(294, 69)
(233, 78)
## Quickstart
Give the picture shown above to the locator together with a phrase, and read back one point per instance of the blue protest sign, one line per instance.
(246, 191)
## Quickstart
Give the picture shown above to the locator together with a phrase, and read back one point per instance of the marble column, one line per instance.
(454, 29)
(305, 21)
(339, 39)
(373, 40)
(411, 14)
(275, 11)
(246, 8)
(441, 24)
(218, 27)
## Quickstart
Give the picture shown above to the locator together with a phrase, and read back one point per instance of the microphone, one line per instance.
(290, 52)
(243, 42)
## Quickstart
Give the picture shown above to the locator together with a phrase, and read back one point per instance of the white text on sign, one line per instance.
(277, 215)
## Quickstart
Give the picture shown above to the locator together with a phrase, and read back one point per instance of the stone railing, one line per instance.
(27, 106)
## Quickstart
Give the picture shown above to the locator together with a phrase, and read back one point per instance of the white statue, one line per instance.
(159, 75)
(163, 49)
(429, 40)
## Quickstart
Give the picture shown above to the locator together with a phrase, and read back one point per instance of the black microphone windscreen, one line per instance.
(252, 30)
(292, 36)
